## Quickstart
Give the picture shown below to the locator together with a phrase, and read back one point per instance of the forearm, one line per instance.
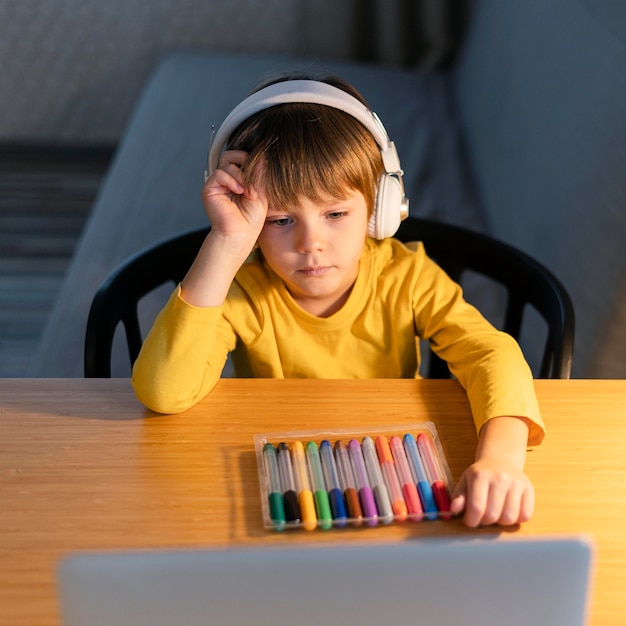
(182, 357)
(488, 363)
(211, 274)
(504, 439)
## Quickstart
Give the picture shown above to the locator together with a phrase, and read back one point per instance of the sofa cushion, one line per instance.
(541, 95)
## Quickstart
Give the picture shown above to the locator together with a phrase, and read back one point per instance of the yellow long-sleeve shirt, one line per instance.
(399, 296)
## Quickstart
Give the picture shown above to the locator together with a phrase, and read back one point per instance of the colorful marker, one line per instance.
(320, 495)
(420, 477)
(374, 473)
(333, 484)
(366, 496)
(395, 451)
(348, 484)
(275, 495)
(288, 484)
(303, 487)
(426, 448)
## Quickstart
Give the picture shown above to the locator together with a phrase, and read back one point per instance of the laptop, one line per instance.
(467, 582)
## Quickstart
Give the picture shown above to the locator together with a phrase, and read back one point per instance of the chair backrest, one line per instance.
(526, 282)
(457, 250)
(117, 299)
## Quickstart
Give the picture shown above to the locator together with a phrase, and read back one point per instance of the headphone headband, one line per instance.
(312, 91)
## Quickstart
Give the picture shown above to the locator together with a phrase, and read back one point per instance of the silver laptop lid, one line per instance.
(457, 581)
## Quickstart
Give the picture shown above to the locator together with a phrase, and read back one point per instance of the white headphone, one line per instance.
(391, 205)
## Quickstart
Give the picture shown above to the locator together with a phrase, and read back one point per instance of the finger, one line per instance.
(512, 506)
(222, 181)
(527, 506)
(458, 498)
(251, 194)
(457, 504)
(233, 157)
(496, 501)
(232, 170)
(236, 174)
(477, 499)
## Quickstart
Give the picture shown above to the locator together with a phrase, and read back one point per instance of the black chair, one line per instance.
(457, 250)
(117, 299)
(526, 282)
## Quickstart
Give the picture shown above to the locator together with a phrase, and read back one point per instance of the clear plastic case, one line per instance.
(351, 477)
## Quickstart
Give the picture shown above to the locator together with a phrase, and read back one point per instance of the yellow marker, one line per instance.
(303, 487)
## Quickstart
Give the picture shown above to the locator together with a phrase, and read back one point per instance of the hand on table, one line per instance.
(494, 489)
(492, 492)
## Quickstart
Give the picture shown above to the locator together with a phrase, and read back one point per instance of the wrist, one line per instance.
(228, 249)
(504, 439)
(211, 274)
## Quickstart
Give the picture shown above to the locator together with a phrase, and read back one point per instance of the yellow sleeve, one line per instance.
(487, 362)
(182, 357)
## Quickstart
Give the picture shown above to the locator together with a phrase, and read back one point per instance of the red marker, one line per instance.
(427, 451)
(409, 488)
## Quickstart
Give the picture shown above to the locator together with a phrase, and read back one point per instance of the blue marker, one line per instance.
(420, 477)
(348, 483)
(331, 477)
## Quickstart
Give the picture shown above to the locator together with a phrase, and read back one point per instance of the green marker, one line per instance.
(320, 495)
(277, 508)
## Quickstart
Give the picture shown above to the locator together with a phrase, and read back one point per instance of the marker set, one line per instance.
(322, 480)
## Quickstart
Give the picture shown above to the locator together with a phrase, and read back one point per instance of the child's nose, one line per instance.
(310, 238)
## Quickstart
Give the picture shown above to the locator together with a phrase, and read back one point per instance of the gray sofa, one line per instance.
(525, 138)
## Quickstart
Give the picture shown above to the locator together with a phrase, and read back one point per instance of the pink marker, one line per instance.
(409, 488)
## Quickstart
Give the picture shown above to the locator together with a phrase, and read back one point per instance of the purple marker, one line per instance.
(366, 495)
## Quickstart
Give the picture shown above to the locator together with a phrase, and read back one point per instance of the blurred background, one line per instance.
(72, 70)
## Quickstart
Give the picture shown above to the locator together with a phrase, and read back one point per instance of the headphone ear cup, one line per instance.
(387, 215)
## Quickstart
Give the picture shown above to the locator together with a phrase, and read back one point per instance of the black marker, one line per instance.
(288, 484)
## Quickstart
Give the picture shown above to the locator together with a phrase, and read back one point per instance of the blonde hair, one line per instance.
(309, 150)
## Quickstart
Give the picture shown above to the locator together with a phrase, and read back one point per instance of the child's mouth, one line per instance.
(318, 270)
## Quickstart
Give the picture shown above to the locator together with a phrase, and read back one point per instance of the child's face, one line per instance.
(315, 247)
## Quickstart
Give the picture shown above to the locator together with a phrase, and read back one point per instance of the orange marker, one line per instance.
(398, 503)
(303, 487)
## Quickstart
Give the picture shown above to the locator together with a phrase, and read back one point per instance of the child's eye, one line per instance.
(336, 215)
(278, 221)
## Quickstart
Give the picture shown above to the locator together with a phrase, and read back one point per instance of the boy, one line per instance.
(299, 277)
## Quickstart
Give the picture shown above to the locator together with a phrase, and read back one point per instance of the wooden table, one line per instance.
(84, 466)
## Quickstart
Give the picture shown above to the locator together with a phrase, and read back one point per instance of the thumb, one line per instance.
(458, 500)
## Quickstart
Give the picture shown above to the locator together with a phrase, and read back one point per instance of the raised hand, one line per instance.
(233, 210)
(237, 216)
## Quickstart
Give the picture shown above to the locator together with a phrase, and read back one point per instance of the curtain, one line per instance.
(413, 33)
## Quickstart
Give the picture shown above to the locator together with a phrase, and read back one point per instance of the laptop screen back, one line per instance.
(457, 581)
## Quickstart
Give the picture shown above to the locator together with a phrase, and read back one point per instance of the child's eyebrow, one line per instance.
(327, 204)
(331, 203)
(272, 212)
